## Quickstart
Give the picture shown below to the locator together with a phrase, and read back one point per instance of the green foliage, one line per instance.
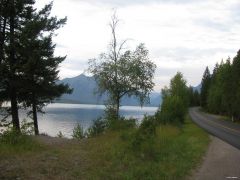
(28, 66)
(12, 140)
(178, 87)
(170, 154)
(13, 18)
(206, 81)
(236, 86)
(173, 110)
(143, 141)
(121, 123)
(194, 97)
(78, 132)
(110, 122)
(39, 64)
(12, 137)
(222, 95)
(27, 127)
(109, 156)
(175, 101)
(98, 127)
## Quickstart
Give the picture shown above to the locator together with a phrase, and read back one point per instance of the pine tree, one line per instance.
(13, 15)
(39, 65)
(206, 81)
(236, 85)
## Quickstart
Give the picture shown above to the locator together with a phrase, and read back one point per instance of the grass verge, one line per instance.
(172, 154)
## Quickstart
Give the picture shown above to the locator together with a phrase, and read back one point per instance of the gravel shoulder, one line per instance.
(222, 161)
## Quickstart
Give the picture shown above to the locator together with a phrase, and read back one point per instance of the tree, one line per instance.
(119, 73)
(221, 96)
(175, 100)
(172, 110)
(236, 85)
(13, 15)
(178, 87)
(29, 69)
(206, 81)
(39, 66)
(194, 98)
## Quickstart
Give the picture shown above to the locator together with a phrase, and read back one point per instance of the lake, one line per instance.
(64, 117)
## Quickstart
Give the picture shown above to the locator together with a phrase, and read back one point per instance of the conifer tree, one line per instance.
(13, 15)
(29, 69)
(236, 85)
(39, 65)
(206, 81)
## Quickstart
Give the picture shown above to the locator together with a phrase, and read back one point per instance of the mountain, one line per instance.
(198, 88)
(84, 88)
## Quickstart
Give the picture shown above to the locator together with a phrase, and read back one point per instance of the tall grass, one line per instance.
(171, 154)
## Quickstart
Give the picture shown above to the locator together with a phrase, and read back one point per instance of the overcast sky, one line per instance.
(181, 35)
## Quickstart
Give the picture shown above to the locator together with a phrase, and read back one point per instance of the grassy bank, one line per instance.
(172, 155)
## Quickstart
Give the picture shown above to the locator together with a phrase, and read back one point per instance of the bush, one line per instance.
(173, 110)
(143, 141)
(78, 132)
(27, 128)
(98, 127)
(14, 140)
(60, 134)
(122, 123)
(11, 137)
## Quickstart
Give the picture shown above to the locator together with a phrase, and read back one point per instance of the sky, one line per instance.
(181, 35)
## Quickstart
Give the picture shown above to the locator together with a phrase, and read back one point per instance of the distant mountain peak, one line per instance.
(83, 92)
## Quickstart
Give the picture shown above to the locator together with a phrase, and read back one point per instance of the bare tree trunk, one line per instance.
(14, 110)
(115, 59)
(34, 111)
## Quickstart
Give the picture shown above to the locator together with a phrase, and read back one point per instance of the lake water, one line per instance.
(64, 117)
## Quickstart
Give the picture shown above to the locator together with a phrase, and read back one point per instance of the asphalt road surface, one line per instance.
(225, 130)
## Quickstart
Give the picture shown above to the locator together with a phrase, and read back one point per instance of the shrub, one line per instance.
(27, 128)
(11, 137)
(98, 127)
(143, 141)
(60, 134)
(173, 110)
(13, 140)
(78, 132)
(122, 123)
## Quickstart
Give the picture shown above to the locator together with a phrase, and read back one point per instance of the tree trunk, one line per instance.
(14, 110)
(118, 106)
(12, 78)
(2, 38)
(34, 111)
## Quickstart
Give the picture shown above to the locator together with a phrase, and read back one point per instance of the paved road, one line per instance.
(221, 162)
(225, 130)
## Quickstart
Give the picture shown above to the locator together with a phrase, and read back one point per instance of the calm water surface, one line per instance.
(64, 117)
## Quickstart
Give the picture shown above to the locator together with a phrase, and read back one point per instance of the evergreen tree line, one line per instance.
(220, 92)
(28, 66)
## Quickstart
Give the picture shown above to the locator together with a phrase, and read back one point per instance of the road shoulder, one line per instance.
(220, 162)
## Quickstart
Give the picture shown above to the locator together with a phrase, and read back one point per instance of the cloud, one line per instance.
(120, 3)
(181, 35)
